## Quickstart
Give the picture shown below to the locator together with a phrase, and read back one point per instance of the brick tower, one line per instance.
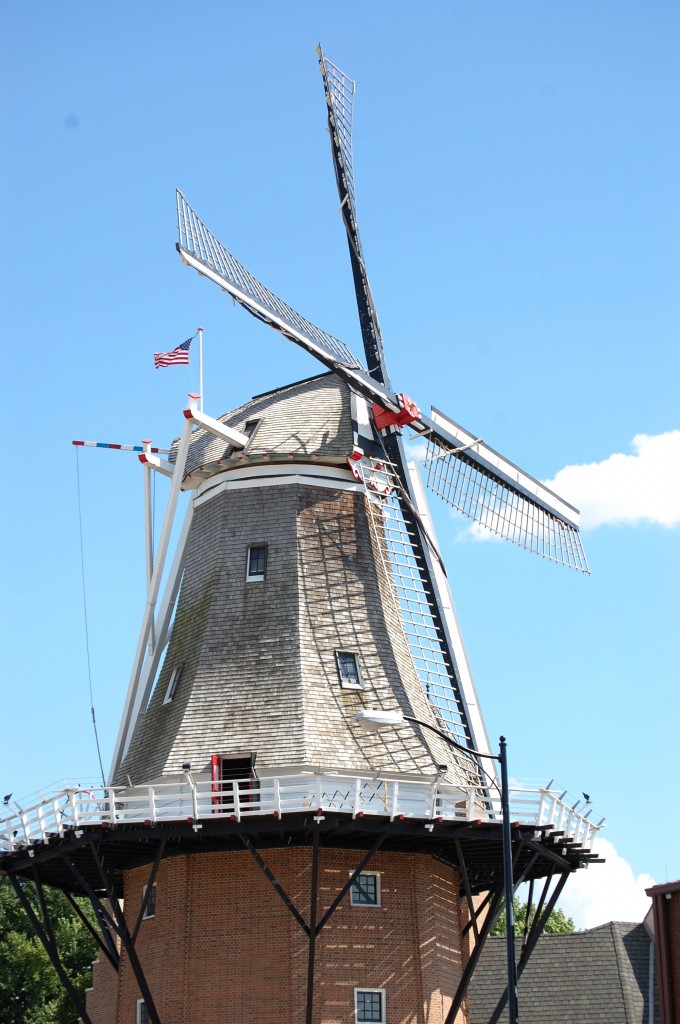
(257, 853)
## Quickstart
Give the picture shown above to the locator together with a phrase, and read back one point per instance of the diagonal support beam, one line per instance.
(147, 891)
(126, 940)
(51, 950)
(269, 874)
(494, 910)
(109, 951)
(534, 934)
(350, 882)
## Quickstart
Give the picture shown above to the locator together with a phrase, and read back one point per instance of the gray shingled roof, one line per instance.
(589, 977)
(321, 404)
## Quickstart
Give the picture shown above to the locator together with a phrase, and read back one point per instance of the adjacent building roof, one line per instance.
(597, 975)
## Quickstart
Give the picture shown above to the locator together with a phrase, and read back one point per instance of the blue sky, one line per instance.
(516, 169)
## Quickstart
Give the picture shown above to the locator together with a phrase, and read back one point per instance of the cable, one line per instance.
(87, 633)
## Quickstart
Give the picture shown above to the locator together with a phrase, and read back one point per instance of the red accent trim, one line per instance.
(385, 418)
(188, 414)
(356, 454)
(78, 442)
(142, 458)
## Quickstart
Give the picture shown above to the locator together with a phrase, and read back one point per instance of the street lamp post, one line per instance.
(376, 720)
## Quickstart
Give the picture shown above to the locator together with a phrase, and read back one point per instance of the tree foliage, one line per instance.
(30, 990)
(557, 924)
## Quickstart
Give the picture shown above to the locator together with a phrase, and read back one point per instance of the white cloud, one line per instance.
(644, 486)
(605, 892)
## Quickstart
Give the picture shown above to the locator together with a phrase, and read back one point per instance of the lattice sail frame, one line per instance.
(394, 539)
(468, 487)
(340, 91)
(195, 240)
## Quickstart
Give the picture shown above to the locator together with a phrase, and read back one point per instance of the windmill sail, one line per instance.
(463, 470)
(480, 483)
(199, 248)
(339, 91)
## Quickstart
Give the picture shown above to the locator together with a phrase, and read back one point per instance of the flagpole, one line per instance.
(200, 364)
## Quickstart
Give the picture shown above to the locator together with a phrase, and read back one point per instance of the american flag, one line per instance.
(178, 355)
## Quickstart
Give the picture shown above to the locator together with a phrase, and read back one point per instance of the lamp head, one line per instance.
(375, 720)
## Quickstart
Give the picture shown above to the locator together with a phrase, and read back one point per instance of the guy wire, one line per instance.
(87, 633)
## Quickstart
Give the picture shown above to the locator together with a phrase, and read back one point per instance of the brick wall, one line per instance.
(223, 946)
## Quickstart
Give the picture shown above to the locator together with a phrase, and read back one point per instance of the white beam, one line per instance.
(152, 595)
(221, 430)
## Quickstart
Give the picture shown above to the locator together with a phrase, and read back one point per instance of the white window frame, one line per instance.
(378, 893)
(256, 577)
(343, 681)
(175, 677)
(383, 1013)
(141, 1005)
(147, 916)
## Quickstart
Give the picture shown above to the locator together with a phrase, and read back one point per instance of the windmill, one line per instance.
(306, 591)
(461, 469)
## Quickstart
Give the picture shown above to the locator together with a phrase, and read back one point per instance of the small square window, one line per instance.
(365, 891)
(369, 1005)
(142, 1012)
(150, 908)
(175, 677)
(348, 670)
(256, 566)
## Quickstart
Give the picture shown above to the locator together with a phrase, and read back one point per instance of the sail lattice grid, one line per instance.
(340, 95)
(394, 538)
(195, 239)
(477, 493)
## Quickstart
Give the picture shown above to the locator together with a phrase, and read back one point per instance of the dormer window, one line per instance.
(256, 565)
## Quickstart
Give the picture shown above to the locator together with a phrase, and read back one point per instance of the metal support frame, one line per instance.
(537, 926)
(530, 858)
(45, 935)
(312, 928)
(111, 955)
(126, 940)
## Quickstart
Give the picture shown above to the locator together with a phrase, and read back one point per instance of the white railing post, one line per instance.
(194, 798)
(74, 807)
(277, 797)
(237, 801)
(111, 799)
(394, 801)
(151, 796)
(41, 821)
(357, 797)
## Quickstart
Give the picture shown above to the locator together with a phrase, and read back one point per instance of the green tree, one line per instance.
(30, 990)
(557, 923)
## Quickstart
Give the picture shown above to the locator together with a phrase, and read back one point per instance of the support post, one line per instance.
(312, 928)
(508, 887)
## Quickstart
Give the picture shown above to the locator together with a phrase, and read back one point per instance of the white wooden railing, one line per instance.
(197, 800)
